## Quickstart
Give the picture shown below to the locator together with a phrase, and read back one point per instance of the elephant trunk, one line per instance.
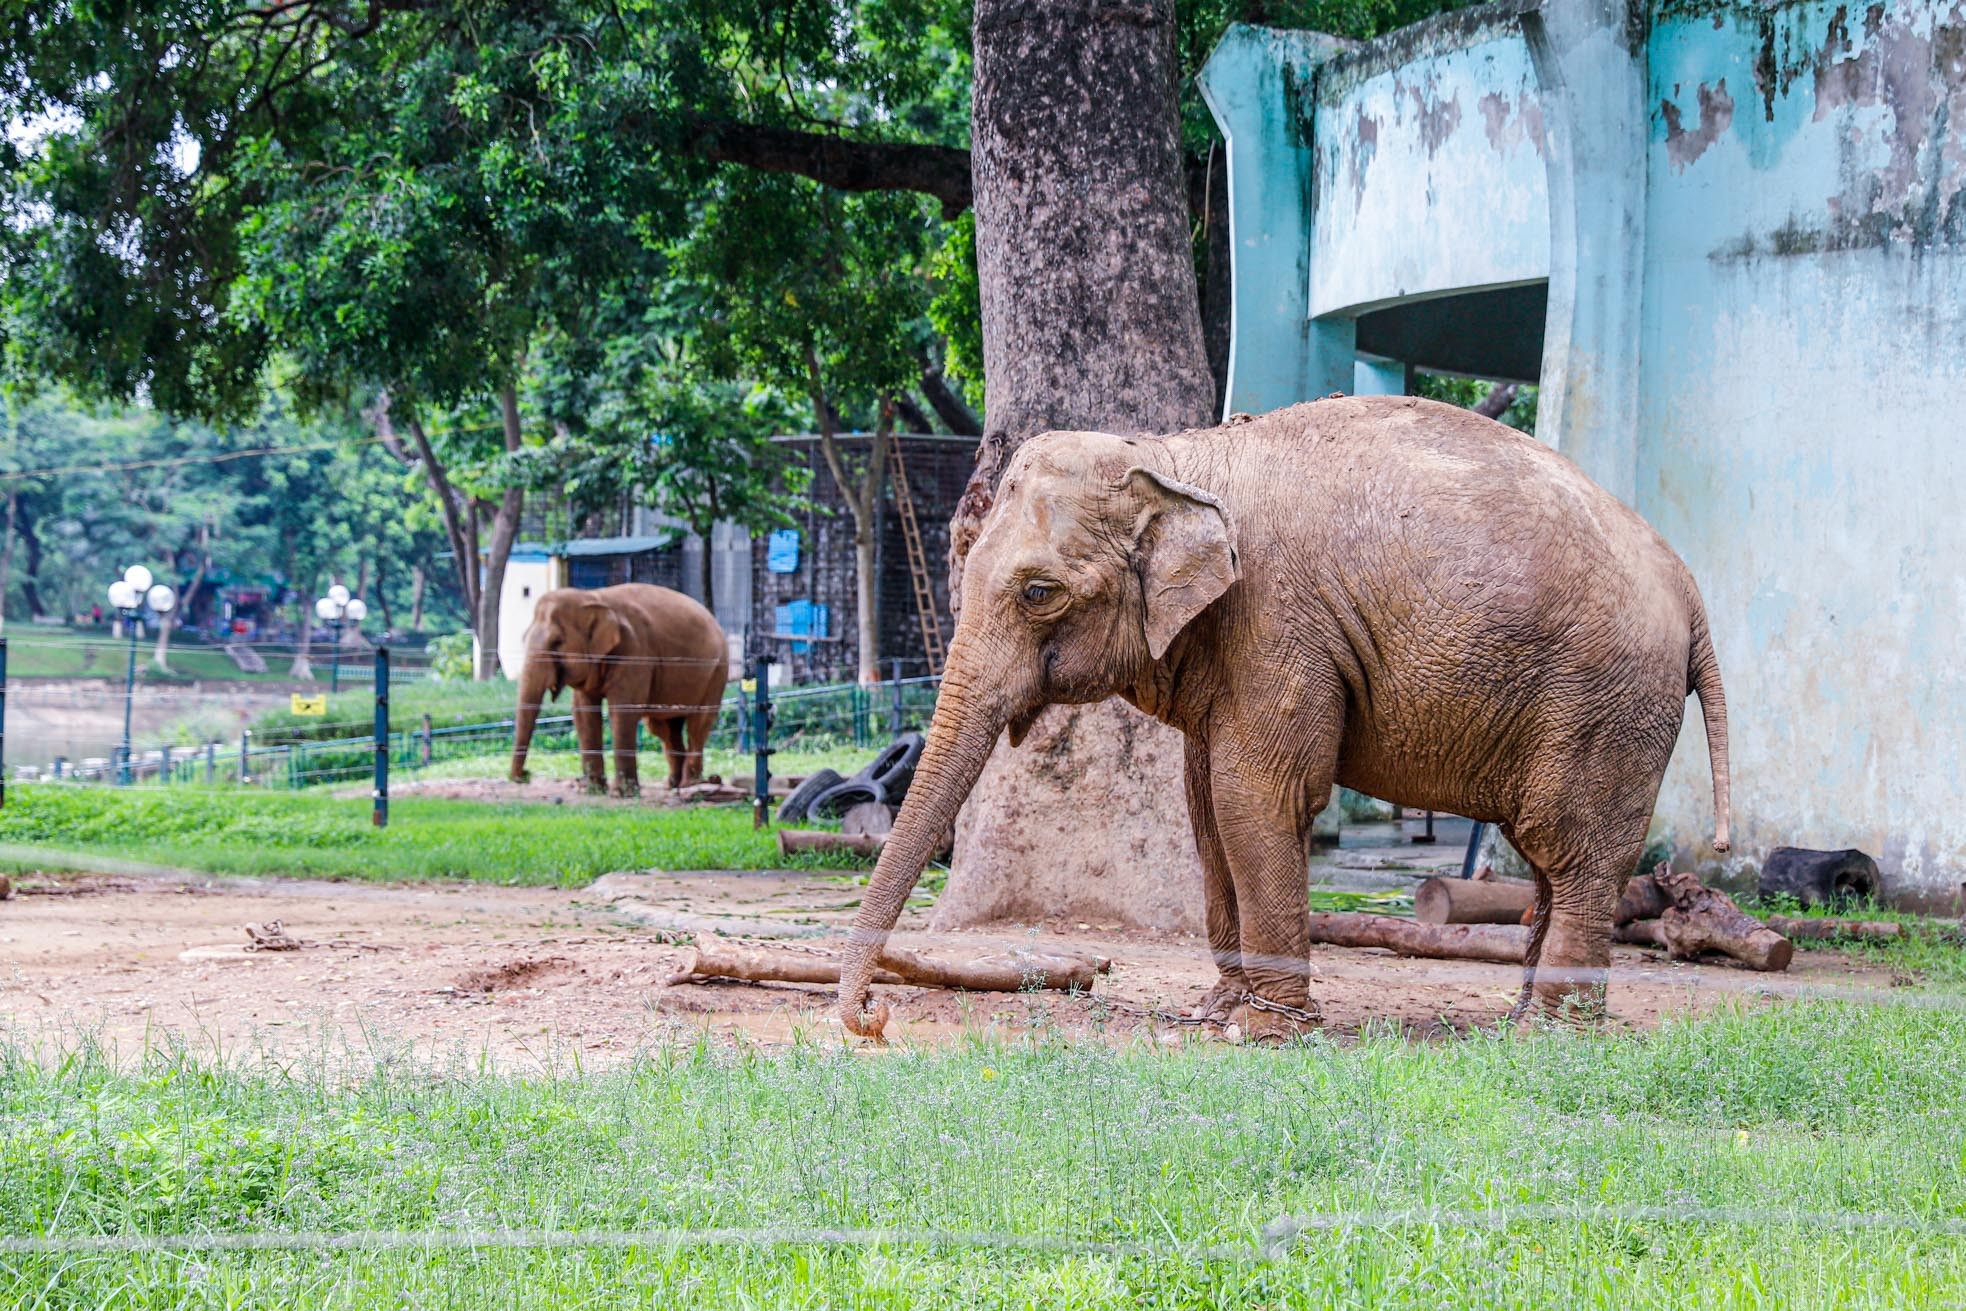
(535, 686)
(960, 738)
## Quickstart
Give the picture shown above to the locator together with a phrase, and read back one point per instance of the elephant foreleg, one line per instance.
(1263, 816)
(694, 737)
(1218, 892)
(587, 732)
(627, 774)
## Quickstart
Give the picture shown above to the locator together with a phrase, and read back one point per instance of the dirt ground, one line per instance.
(528, 977)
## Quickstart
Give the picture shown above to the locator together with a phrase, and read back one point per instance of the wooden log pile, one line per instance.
(1486, 919)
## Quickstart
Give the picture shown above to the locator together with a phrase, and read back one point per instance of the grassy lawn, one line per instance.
(93, 653)
(310, 833)
(1783, 1156)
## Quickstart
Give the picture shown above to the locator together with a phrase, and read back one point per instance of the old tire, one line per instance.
(798, 803)
(894, 768)
(843, 796)
(1821, 878)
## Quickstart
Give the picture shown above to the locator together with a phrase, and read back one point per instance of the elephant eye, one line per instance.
(1038, 593)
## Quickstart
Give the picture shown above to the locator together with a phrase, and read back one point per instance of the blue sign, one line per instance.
(802, 618)
(782, 551)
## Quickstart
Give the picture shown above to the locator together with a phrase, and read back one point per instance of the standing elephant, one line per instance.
(650, 653)
(1388, 593)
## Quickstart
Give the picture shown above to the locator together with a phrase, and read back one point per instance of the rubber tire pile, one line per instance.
(828, 795)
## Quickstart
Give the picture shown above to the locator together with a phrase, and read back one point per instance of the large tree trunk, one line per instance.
(7, 555)
(417, 582)
(505, 531)
(1090, 320)
(30, 586)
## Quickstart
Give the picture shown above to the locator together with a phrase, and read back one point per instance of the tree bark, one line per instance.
(505, 531)
(450, 506)
(1472, 901)
(1503, 943)
(7, 555)
(1090, 320)
(418, 580)
(948, 406)
(302, 669)
(838, 162)
(30, 586)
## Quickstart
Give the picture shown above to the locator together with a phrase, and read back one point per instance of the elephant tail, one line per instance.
(1703, 679)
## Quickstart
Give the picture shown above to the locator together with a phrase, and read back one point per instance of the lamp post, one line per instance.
(128, 595)
(336, 606)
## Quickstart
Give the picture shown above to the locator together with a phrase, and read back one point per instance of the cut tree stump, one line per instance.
(1017, 971)
(1473, 901)
(874, 819)
(1503, 943)
(1792, 926)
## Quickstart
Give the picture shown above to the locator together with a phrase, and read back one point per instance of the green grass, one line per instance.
(308, 833)
(721, 759)
(93, 653)
(1177, 1161)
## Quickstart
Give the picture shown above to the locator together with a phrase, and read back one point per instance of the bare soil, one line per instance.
(525, 976)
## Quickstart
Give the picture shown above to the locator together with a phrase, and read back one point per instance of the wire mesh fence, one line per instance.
(317, 739)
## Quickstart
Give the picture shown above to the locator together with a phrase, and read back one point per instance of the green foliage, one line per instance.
(1798, 1155)
(450, 656)
(1470, 392)
(957, 307)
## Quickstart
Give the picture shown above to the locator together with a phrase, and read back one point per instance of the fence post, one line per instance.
(293, 768)
(245, 757)
(761, 743)
(3, 722)
(427, 732)
(211, 763)
(382, 737)
(164, 766)
(894, 684)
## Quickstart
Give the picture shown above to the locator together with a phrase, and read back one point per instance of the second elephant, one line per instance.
(650, 654)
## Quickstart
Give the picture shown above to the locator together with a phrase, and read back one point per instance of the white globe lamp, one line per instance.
(161, 599)
(138, 578)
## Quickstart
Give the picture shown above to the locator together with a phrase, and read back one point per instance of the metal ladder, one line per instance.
(911, 534)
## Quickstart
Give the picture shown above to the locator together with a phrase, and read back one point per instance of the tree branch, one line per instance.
(846, 165)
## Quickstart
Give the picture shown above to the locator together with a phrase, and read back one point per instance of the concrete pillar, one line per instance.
(1590, 65)
(1257, 84)
(1375, 377)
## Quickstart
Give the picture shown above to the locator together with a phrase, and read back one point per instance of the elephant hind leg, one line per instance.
(666, 732)
(1567, 966)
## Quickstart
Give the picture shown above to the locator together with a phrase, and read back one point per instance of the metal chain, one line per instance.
(1311, 1016)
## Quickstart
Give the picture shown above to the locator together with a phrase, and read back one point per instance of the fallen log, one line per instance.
(792, 841)
(1473, 901)
(1504, 943)
(1017, 971)
(1793, 926)
(1702, 919)
(1642, 899)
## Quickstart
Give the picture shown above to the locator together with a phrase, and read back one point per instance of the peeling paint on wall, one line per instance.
(1683, 147)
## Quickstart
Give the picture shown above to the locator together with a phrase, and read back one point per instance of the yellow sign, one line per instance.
(310, 705)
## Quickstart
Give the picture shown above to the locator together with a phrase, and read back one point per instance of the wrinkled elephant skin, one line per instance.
(1384, 592)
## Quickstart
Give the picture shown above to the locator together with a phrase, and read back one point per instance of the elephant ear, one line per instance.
(1185, 551)
(603, 629)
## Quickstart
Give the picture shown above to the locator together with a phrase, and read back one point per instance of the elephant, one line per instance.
(650, 653)
(1384, 592)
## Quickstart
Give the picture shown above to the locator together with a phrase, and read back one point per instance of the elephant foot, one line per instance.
(1219, 1002)
(626, 790)
(1570, 1004)
(522, 776)
(1271, 1025)
(594, 787)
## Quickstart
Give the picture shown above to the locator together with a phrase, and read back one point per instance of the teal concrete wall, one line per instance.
(1752, 219)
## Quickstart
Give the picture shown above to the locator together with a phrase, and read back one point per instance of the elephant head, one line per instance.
(567, 644)
(1089, 565)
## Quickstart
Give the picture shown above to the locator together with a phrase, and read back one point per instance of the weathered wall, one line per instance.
(1429, 166)
(1754, 230)
(1802, 436)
